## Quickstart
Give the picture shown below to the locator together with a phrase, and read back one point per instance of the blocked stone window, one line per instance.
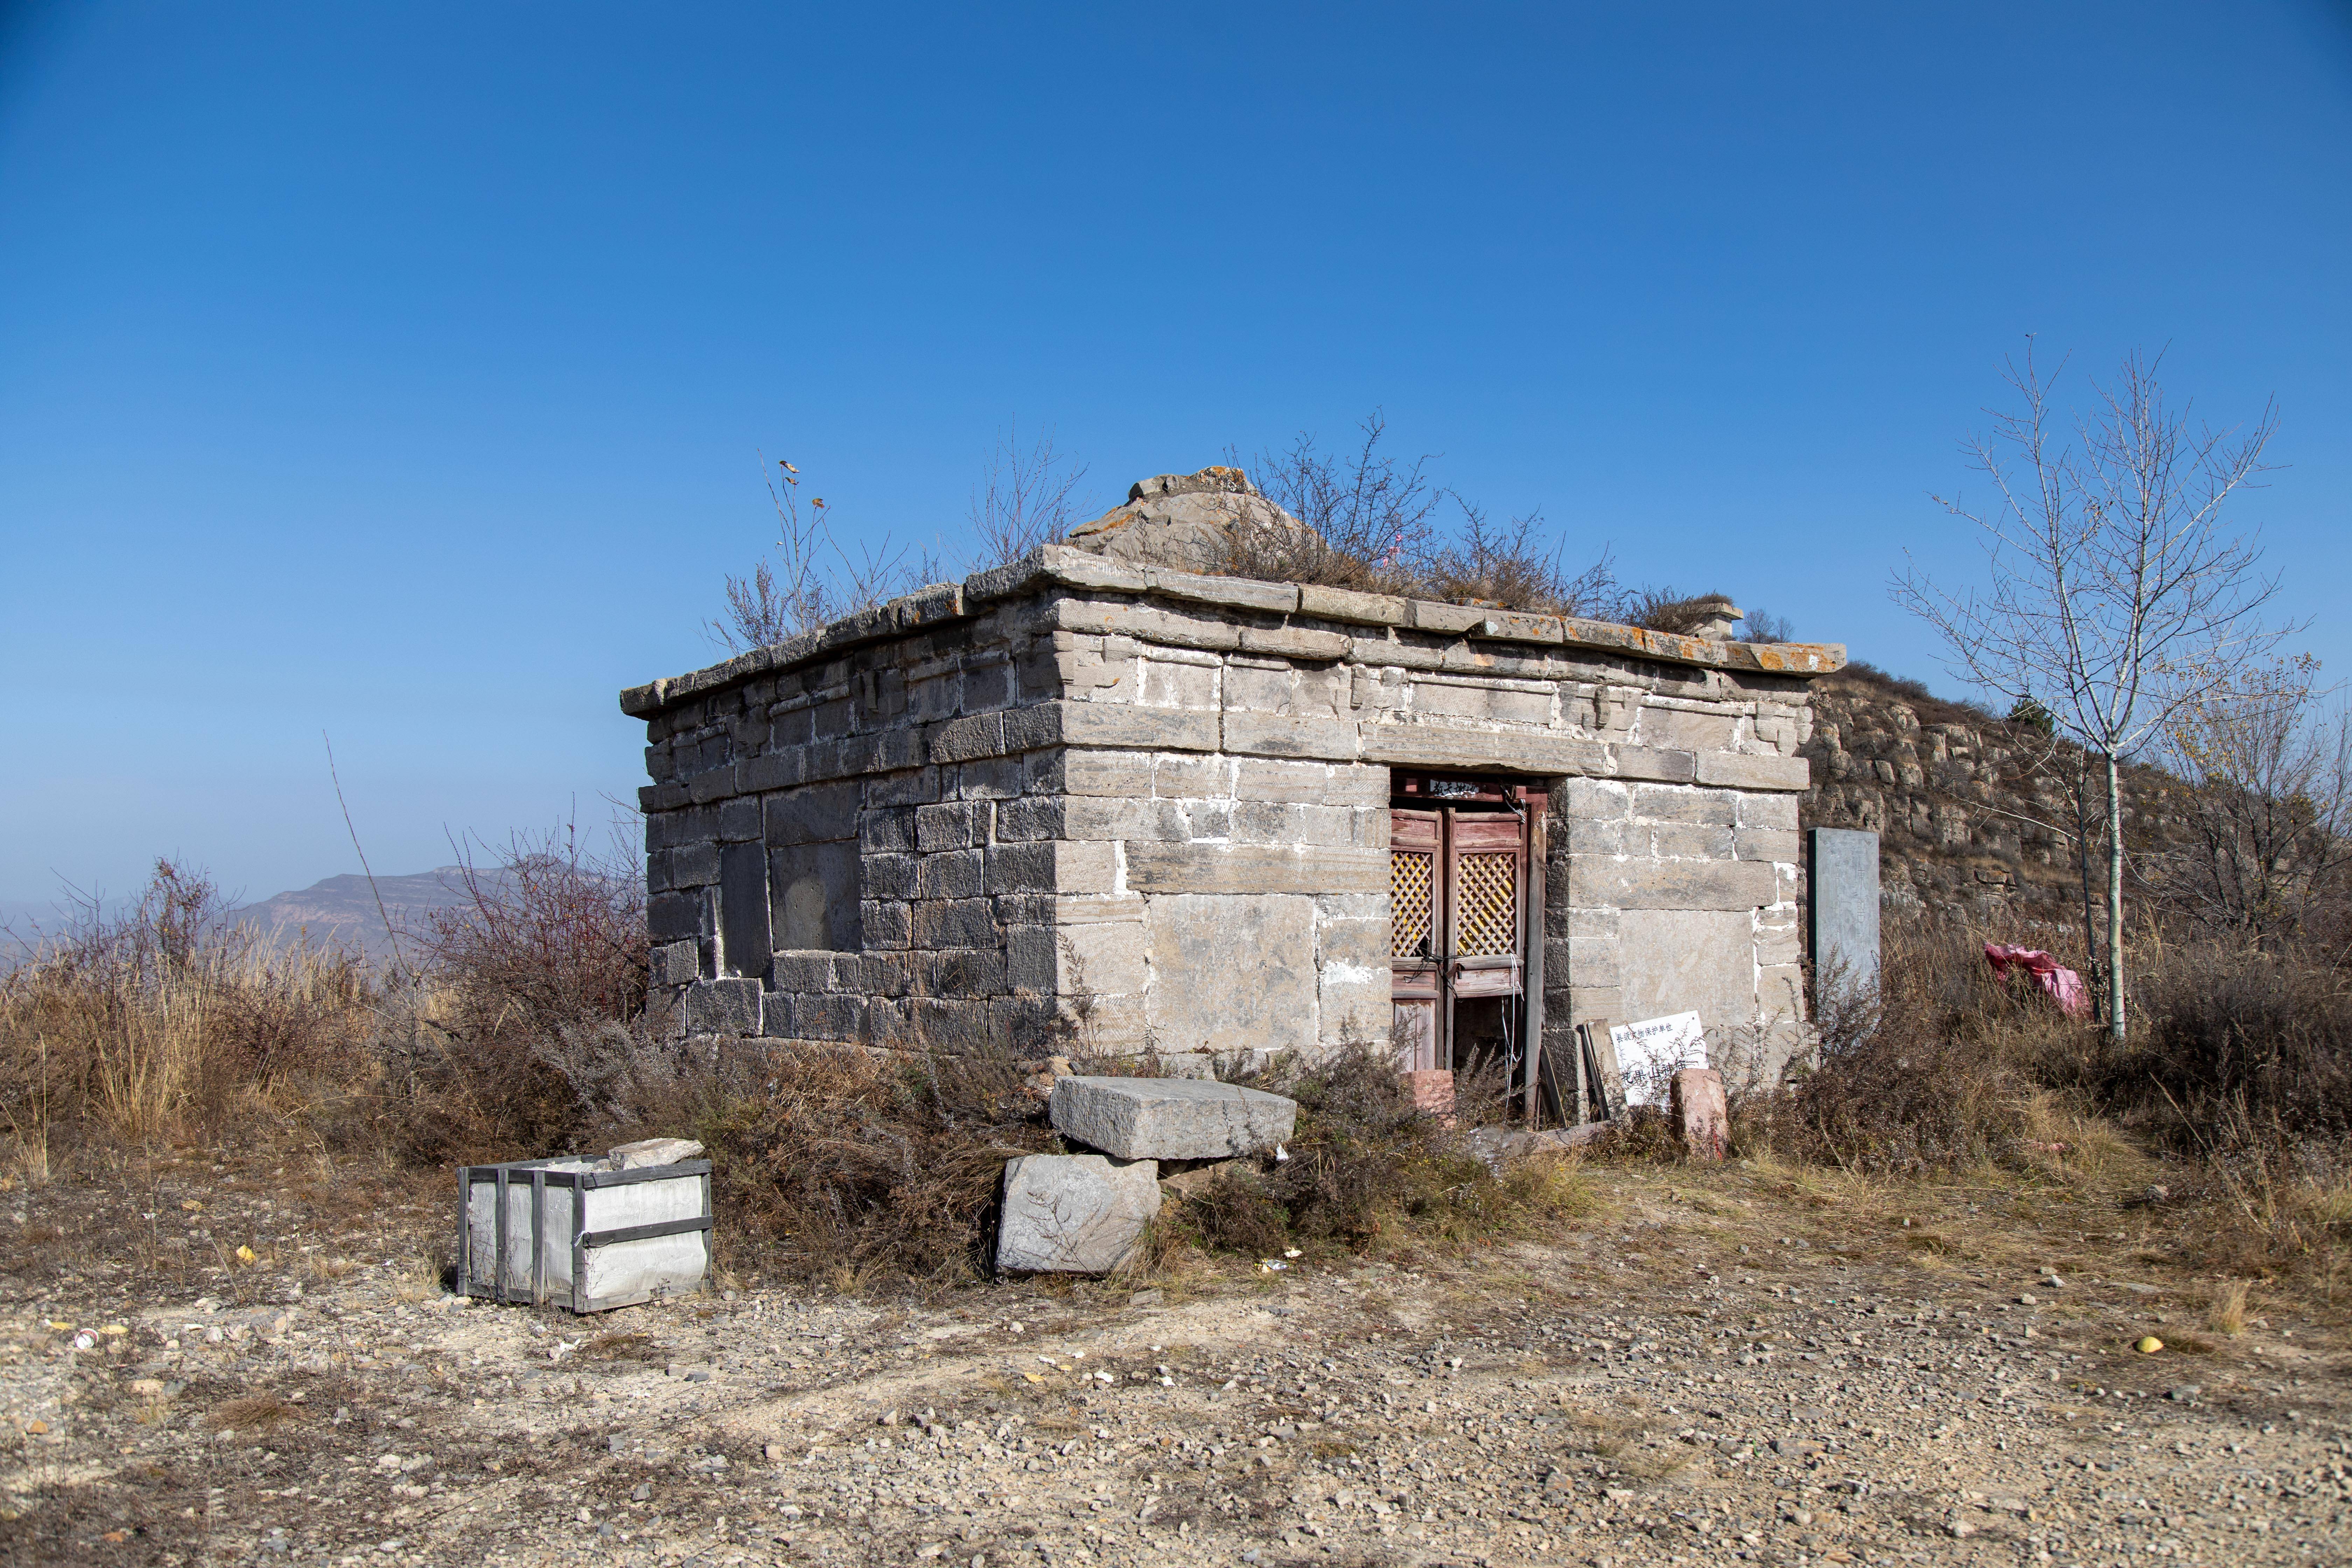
(815, 896)
(796, 886)
(814, 868)
(743, 944)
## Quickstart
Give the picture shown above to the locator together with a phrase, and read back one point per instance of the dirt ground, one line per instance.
(1741, 1365)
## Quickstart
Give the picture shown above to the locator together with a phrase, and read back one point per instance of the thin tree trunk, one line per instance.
(2081, 796)
(2115, 902)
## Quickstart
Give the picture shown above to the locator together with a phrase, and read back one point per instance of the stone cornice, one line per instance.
(1055, 564)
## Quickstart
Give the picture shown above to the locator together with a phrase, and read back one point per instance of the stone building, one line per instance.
(1090, 801)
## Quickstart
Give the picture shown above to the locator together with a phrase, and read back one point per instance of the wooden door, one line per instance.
(1416, 937)
(1485, 875)
(1457, 924)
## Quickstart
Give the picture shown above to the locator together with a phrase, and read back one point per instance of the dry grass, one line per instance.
(131, 1030)
(171, 1023)
(263, 1412)
(2225, 1310)
(2230, 1095)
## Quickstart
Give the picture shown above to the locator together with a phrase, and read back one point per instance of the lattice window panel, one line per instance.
(1486, 912)
(1411, 879)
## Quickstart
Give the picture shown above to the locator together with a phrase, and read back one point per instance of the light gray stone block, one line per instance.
(653, 1151)
(1678, 961)
(1169, 1117)
(1844, 896)
(1073, 1214)
(1262, 950)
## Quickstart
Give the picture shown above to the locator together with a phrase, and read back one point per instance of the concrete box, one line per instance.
(577, 1234)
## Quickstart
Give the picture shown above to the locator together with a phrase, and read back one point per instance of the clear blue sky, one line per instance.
(398, 371)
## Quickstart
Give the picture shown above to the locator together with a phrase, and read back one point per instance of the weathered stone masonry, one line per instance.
(1150, 808)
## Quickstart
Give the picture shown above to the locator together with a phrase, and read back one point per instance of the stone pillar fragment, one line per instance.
(1432, 1092)
(1702, 1116)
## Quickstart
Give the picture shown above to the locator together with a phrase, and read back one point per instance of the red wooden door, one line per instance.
(1457, 924)
(1416, 937)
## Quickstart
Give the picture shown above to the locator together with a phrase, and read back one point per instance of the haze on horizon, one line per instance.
(403, 375)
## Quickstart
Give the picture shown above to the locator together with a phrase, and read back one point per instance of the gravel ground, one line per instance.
(1723, 1366)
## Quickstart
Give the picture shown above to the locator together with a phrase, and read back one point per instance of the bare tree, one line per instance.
(1023, 500)
(2264, 805)
(2115, 587)
(813, 580)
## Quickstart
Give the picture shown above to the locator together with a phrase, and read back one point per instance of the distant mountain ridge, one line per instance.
(341, 911)
(345, 909)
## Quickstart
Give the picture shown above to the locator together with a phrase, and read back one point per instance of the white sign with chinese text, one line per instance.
(1651, 1052)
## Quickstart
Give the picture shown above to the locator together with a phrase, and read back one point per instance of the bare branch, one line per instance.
(1024, 498)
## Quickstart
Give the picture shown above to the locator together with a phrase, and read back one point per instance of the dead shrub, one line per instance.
(1508, 566)
(1643, 1134)
(1934, 1069)
(1671, 610)
(1379, 524)
(2233, 1045)
(860, 1167)
(1365, 1165)
(1236, 1211)
(527, 1029)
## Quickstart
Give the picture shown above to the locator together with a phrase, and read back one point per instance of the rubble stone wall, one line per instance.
(1096, 805)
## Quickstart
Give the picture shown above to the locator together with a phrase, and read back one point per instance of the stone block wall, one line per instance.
(1082, 803)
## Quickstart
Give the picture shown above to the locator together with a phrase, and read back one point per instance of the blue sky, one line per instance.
(399, 372)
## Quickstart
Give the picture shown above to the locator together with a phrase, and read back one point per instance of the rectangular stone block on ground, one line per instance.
(1170, 1119)
(1701, 1115)
(1073, 1214)
(1433, 1091)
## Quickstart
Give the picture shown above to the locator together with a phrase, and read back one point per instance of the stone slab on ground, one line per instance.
(1073, 1214)
(1170, 1119)
(1498, 1146)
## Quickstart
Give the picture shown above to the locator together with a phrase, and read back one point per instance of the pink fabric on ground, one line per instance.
(2062, 985)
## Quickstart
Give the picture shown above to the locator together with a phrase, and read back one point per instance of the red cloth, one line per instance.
(2062, 985)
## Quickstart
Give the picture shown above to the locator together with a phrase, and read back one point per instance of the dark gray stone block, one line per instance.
(743, 934)
(813, 814)
(723, 1007)
(816, 889)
